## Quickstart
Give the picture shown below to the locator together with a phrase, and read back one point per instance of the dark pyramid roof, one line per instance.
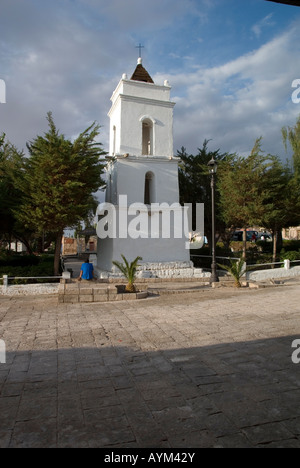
(141, 74)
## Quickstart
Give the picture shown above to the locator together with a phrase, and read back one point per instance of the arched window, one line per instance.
(149, 196)
(147, 147)
(147, 135)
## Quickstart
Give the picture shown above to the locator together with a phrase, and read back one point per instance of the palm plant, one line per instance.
(129, 271)
(236, 269)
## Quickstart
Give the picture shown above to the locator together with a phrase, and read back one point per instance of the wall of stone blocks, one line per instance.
(84, 292)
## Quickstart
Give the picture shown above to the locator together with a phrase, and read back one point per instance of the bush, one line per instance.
(205, 260)
(19, 260)
(266, 247)
(291, 245)
(290, 255)
(41, 266)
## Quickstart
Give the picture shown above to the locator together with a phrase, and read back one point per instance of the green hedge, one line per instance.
(291, 245)
(290, 255)
(19, 260)
(40, 266)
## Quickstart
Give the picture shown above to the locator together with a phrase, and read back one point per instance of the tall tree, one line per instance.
(194, 183)
(11, 163)
(60, 179)
(242, 193)
(292, 135)
(282, 201)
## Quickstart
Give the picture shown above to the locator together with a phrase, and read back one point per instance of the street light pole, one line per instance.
(213, 166)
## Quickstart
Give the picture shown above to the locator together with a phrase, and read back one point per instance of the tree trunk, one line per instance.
(9, 244)
(274, 247)
(40, 245)
(26, 243)
(244, 243)
(130, 287)
(279, 240)
(57, 253)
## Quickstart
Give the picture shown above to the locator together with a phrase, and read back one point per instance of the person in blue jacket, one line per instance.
(87, 271)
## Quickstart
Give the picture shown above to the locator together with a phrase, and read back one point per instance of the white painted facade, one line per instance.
(142, 167)
(134, 105)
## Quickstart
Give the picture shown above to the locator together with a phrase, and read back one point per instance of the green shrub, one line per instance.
(290, 255)
(236, 269)
(16, 260)
(44, 267)
(266, 247)
(291, 245)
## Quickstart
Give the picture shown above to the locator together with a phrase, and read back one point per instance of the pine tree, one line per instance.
(194, 183)
(292, 135)
(11, 162)
(243, 197)
(282, 201)
(60, 178)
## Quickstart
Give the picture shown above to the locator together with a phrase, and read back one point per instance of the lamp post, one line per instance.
(213, 166)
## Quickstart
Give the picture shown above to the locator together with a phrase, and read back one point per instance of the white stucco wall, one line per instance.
(126, 176)
(165, 244)
(132, 102)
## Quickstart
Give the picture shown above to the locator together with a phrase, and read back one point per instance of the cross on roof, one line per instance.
(140, 47)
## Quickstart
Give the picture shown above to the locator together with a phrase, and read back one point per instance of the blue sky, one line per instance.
(231, 64)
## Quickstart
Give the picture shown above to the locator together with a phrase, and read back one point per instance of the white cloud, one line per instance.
(263, 23)
(68, 57)
(241, 100)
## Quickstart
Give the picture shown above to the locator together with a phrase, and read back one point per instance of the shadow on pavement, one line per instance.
(241, 394)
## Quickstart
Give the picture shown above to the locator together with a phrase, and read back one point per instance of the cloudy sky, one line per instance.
(231, 65)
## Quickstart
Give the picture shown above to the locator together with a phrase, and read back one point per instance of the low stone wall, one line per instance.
(93, 292)
(156, 270)
(275, 273)
(29, 289)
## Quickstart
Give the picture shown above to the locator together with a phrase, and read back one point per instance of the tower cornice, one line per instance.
(141, 100)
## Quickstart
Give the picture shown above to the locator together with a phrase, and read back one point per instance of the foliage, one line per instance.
(290, 255)
(26, 266)
(292, 135)
(19, 260)
(236, 269)
(60, 178)
(195, 183)
(242, 199)
(292, 244)
(283, 201)
(265, 247)
(11, 163)
(258, 190)
(129, 271)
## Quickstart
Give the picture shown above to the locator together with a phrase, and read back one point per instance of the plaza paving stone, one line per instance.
(206, 369)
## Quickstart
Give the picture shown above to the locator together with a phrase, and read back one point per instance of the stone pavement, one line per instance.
(206, 369)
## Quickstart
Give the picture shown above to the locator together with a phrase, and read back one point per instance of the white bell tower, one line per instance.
(142, 170)
(141, 116)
